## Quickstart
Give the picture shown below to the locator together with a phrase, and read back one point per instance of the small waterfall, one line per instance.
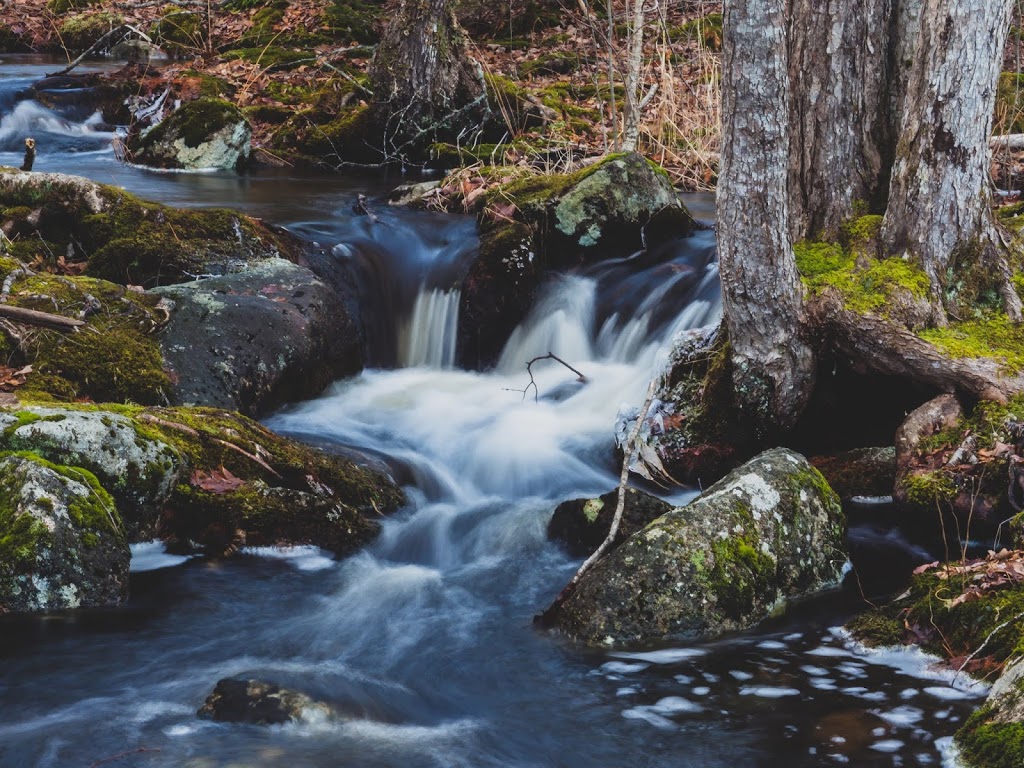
(561, 322)
(428, 337)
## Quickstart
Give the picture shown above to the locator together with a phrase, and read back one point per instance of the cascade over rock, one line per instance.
(540, 224)
(770, 530)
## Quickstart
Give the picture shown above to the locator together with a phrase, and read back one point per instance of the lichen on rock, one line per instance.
(769, 531)
(200, 134)
(62, 542)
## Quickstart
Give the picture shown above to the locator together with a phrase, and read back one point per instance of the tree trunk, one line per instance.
(939, 198)
(832, 109)
(840, 117)
(773, 366)
(426, 88)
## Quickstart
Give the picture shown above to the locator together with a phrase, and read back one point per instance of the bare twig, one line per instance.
(986, 642)
(121, 29)
(529, 369)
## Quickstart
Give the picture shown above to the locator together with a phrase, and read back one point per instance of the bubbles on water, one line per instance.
(304, 558)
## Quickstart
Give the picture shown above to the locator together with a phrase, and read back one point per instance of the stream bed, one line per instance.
(424, 642)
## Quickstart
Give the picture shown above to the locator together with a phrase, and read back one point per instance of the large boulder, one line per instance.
(138, 469)
(122, 238)
(62, 543)
(201, 134)
(252, 340)
(539, 224)
(580, 526)
(769, 531)
(203, 479)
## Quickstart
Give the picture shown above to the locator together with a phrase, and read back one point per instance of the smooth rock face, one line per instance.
(254, 339)
(581, 525)
(202, 134)
(63, 544)
(259, 703)
(138, 470)
(770, 530)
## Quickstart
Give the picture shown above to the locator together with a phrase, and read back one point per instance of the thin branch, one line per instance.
(529, 369)
(118, 30)
(986, 642)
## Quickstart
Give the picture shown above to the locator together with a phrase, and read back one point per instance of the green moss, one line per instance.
(59, 7)
(742, 575)
(995, 337)
(272, 58)
(356, 20)
(180, 33)
(78, 33)
(876, 629)
(551, 63)
(871, 288)
(1009, 108)
(264, 24)
(209, 87)
(986, 744)
(930, 488)
(195, 122)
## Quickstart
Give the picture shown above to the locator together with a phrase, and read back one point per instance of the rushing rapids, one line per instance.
(423, 644)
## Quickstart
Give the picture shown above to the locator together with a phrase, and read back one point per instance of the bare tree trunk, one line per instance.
(939, 198)
(425, 86)
(839, 116)
(773, 367)
(634, 69)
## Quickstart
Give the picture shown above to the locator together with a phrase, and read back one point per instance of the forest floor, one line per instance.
(288, 61)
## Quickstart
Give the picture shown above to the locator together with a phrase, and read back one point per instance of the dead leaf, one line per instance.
(216, 481)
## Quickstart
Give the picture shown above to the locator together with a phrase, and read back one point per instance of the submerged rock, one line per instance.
(201, 134)
(62, 543)
(581, 525)
(249, 341)
(259, 703)
(860, 472)
(769, 531)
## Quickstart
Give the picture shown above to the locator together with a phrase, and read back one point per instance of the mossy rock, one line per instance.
(348, 138)
(60, 7)
(78, 33)
(553, 63)
(253, 340)
(706, 30)
(137, 469)
(993, 737)
(770, 531)
(62, 543)
(125, 239)
(271, 58)
(13, 42)
(580, 526)
(180, 33)
(200, 134)
(354, 20)
(860, 472)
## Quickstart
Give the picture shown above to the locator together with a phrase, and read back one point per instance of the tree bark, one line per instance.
(426, 88)
(840, 120)
(939, 198)
(762, 295)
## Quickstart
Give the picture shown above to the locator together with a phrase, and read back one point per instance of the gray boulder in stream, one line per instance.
(260, 703)
(257, 338)
(769, 531)
(63, 543)
(201, 134)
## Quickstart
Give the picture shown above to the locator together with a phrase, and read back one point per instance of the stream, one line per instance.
(424, 641)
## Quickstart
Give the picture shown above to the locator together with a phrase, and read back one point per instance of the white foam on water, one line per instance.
(622, 668)
(771, 645)
(152, 556)
(646, 715)
(768, 691)
(823, 684)
(305, 557)
(740, 675)
(671, 705)
(888, 745)
(701, 690)
(950, 694)
(903, 715)
(667, 656)
(814, 671)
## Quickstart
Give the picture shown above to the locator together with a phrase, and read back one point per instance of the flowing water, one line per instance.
(424, 643)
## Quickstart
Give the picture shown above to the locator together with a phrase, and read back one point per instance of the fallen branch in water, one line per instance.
(529, 369)
(122, 30)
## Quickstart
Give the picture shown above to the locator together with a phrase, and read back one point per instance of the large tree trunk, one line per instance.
(773, 366)
(426, 88)
(834, 108)
(939, 199)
